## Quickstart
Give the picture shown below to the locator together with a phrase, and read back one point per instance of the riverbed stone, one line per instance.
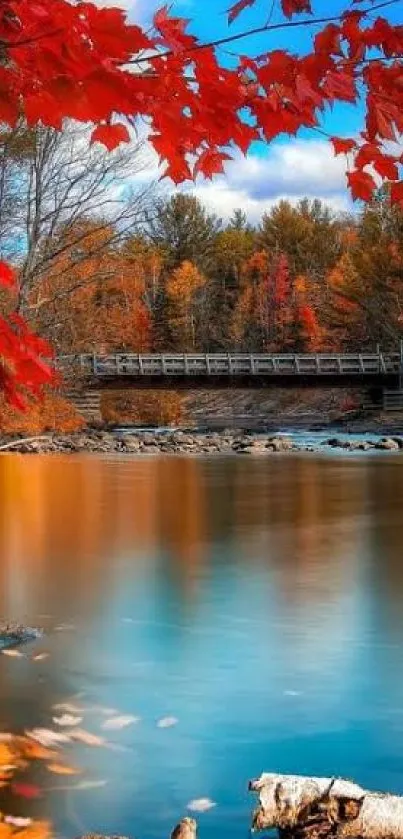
(387, 444)
(280, 444)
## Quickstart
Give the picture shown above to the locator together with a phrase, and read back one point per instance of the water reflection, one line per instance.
(258, 601)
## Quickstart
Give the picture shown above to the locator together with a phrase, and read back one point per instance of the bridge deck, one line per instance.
(126, 366)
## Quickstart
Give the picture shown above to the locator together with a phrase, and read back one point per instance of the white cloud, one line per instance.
(290, 171)
(293, 170)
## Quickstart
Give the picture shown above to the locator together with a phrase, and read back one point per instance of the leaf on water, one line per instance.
(34, 751)
(17, 821)
(115, 723)
(89, 785)
(65, 627)
(86, 737)
(167, 722)
(40, 656)
(61, 769)
(13, 653)
(201, 805)
(68, 707)
(67, 720)
(26, 790)
(46, 737)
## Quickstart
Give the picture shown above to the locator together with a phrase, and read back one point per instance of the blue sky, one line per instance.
(291, 167)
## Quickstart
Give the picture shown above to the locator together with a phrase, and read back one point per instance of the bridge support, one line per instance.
(87, 403)
(392, 400)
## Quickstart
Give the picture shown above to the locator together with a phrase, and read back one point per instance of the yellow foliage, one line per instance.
(144, 408)
(53, 413)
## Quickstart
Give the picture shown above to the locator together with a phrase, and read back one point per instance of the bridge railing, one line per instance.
(233, 364)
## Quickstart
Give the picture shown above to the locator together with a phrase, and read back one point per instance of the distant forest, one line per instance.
(106, 264)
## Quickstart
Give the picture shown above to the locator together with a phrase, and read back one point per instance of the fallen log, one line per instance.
(325, 808)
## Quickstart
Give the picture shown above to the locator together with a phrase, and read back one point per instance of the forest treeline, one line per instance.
(303, 279)
(107, 264)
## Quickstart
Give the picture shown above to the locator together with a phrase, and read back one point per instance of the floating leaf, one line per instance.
(68, 707)
(89, 785)
(167, 722)
(13, 653)
(201, 805)
(61, 769)
(26, 790)
(47, 737)
(67, 720)
(115, 723)
(86, 737)
(34, 751)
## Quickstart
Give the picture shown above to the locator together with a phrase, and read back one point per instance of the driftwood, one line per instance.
(325, 808)
(22, 441)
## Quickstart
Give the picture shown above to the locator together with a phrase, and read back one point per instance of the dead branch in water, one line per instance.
(325, 808)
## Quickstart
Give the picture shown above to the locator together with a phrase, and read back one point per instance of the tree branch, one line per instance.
(259, 30)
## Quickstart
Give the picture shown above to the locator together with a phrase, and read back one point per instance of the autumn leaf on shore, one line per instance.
(62, 769)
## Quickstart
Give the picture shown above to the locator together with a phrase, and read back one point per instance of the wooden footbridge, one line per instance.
(121, 371)
(124, 370)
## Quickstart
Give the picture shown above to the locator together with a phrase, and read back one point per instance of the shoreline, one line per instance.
(207, 442)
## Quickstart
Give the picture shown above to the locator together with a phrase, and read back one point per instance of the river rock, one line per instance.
(280, 444)
(387, 444)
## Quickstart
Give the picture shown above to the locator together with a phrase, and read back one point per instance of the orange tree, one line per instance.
(63, 59)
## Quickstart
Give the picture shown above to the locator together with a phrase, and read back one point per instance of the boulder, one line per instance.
(280, 444)
(387, 444)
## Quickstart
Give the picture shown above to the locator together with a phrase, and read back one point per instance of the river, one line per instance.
(255, 606)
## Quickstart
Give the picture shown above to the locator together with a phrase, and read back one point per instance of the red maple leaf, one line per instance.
(343, 145)
(362, 185)
(7, 275)
(296, 7)
(210, 163)
(396, 192)
(111, 135)
(236, 10)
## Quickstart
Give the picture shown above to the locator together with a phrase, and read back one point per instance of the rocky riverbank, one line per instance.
(191, 442)
(12, 634)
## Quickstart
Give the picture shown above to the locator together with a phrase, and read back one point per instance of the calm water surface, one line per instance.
(258, 601)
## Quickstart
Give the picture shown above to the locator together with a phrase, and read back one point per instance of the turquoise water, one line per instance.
(258, 602)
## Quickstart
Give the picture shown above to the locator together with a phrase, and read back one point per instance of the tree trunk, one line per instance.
(317, 808)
